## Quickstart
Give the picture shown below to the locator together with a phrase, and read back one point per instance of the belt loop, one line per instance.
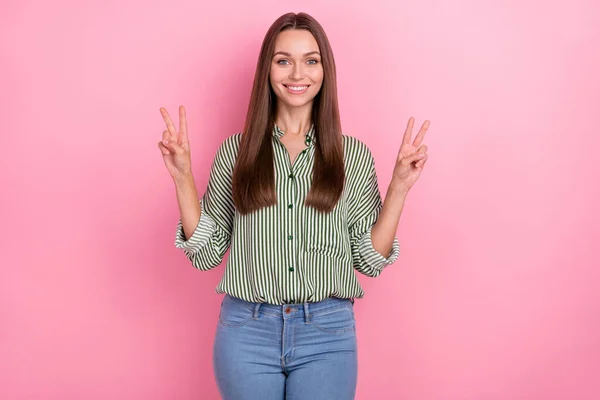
(256, 310)
(352, 299)
(306, 313)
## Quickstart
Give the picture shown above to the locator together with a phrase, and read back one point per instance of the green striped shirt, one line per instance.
(288, 252)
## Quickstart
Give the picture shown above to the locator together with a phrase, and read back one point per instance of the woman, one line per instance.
(298, 205)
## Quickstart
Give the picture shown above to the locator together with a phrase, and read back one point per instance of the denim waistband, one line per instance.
(304, 309)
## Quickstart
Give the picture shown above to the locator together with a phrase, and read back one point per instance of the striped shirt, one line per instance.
(288, 252)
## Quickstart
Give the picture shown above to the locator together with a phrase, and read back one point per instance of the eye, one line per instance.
(313, 61)
(282, 62)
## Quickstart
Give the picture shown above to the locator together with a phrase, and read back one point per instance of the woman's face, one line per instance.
(296, 71)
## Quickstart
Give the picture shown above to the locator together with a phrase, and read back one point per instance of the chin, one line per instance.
(296, 101)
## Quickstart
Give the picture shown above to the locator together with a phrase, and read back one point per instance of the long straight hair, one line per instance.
(253, 181)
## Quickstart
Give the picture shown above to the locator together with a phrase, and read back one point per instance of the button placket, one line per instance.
(302, 171)
(291, 199)
(291, 223)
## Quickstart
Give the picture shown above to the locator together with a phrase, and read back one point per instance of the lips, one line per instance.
(296, 89)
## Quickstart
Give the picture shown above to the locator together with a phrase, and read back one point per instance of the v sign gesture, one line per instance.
(411, 158)
(175, 147)
(409, 164)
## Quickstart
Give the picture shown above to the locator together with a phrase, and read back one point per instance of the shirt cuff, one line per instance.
(372, 257)
(201, 236)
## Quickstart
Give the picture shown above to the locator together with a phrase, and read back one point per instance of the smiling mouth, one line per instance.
(296, 89)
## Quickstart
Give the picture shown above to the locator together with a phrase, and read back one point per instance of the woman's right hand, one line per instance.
(175, 147)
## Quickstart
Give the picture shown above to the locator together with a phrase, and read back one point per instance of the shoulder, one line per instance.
(356, 153)
(231, 144)
(228, 149)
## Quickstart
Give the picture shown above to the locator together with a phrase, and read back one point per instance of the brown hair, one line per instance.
(253, 181)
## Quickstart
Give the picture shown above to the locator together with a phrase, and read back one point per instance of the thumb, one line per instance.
(173, 147)
(412, 158)
(163, 149)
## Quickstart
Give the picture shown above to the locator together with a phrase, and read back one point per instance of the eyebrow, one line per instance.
(289, 55)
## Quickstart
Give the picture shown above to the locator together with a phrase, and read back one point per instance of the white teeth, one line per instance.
(298, 88)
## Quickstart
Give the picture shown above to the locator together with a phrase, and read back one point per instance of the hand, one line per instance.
(411, 158)
(175, 147)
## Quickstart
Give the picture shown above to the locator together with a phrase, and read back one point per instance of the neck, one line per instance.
(294, 120)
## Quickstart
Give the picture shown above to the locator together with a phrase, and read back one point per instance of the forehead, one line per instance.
(296, 42)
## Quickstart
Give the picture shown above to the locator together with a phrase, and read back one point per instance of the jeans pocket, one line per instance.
(235, 314)
(338, 320)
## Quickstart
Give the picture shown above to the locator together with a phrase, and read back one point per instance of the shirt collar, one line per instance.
(310, 135)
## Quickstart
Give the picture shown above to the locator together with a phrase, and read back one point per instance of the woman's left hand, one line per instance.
(411, 158)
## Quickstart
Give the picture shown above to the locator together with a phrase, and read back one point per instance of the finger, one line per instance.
(421, 134)
(163, 149)
(173, 147)
(168, 121)
(166, 136)
(408, 131)
(422, 149)
(421, 162)
(412, 158)
(182, 122)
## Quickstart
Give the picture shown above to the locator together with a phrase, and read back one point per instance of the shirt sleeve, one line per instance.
(364, 209)
(209, 242)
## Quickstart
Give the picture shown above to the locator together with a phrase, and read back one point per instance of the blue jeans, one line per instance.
(303, 351)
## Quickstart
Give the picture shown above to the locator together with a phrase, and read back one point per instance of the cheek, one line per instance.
(318, 81)
(274, 77)
(317, 76)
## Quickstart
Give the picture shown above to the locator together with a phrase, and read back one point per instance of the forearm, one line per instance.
(189, 204)
(384, 230)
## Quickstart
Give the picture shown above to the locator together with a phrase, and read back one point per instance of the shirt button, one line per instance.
(291, 176)
(290, 205)
(290, 237)
(291, 269)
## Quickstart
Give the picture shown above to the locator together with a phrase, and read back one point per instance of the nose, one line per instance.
(297, 72)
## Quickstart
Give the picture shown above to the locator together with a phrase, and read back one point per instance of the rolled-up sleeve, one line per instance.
(201, 236)
(364, 210)
(209, 242)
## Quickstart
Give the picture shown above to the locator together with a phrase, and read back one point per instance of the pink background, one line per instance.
(496, 292)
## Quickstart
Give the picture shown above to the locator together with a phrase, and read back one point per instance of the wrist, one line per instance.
(185, 179)
(397, 190)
